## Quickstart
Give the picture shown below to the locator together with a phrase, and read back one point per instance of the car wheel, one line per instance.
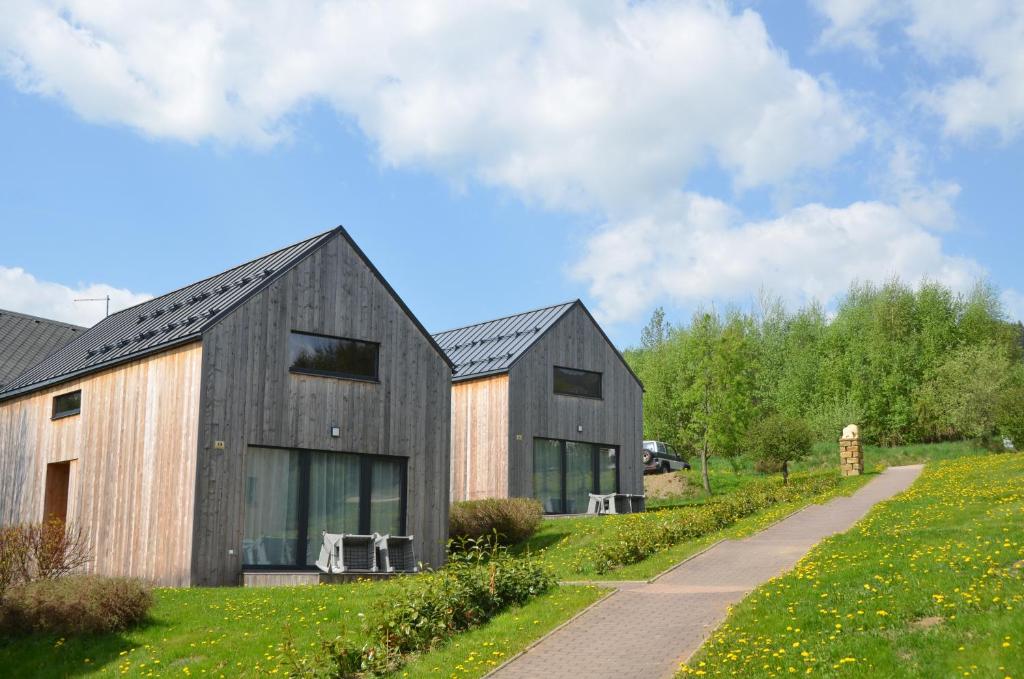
(647, 457)
(665, 468)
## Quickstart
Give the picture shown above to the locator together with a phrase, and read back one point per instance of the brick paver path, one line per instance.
(644, 630)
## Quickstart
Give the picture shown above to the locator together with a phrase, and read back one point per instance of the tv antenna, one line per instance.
(96, 299)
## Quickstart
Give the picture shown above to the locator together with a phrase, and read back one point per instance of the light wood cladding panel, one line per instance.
(480, 438)
(133, 480)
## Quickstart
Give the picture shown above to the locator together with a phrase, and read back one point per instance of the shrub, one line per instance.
(40, 551)
(76, 604)
(638, 536)
(1010, 415)
(778, 440)
(422, 611)
(15, 557)
(512, 519)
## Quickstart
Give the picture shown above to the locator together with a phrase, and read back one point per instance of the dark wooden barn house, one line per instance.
(208, 436)
(544, 406)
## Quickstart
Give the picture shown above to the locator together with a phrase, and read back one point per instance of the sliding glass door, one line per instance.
(271, 506)
(547, 474)
(292, 496)
(565, 473)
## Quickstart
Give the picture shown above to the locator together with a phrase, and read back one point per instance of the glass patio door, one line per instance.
(565, 473)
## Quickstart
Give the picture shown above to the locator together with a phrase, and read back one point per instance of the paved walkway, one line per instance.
(644, 630)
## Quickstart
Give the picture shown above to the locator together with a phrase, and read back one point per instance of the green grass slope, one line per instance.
(929, 584)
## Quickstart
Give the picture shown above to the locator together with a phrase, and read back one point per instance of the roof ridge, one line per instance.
(43, 318)
(503, 318)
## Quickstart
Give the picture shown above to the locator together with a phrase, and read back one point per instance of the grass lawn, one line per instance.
(211, 631)
(235, 632)
(929, 584)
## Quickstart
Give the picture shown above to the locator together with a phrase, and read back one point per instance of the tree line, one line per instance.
(907, 364)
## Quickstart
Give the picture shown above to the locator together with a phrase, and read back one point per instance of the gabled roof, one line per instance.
(180, 317)
(162, 322)
(493, 346)
(25, 340)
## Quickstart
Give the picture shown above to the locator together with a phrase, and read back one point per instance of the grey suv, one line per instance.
(660, 458)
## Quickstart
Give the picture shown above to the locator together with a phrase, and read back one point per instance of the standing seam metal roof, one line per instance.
(25, 340)
(493, 346)
(162, 322)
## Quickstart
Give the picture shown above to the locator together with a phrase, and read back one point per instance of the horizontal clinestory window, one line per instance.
(314, 354)
(65, 405)
(574, 382)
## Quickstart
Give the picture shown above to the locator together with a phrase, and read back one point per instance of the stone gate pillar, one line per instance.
(851, 454)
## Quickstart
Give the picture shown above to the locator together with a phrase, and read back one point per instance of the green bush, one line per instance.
(425, 610)
(75, 604)
(638, 536)
(776, 441)
(513, 519)
(1010, 415)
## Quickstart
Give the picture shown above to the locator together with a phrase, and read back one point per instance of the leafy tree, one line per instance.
(960, 398)
(777, 440)
(656, 331)
(1010, 413)
(716, 363)
(907, 364)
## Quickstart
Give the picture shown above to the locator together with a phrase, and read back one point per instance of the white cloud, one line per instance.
(578, 105)
(988, 34)
(1013, 303)
(697, 248)
(574, 103)
(21, 291)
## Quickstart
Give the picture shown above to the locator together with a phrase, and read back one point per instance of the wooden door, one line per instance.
(55, 499)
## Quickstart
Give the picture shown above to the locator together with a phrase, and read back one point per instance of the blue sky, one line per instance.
(493, 158)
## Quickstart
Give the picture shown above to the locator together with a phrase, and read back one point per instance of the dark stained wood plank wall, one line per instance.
(250, 399)
(536, 411)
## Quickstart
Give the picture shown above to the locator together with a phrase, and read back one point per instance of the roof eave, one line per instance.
(477, 376)
(68, 377)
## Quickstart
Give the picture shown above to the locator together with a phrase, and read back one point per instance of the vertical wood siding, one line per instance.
(133, 476)
(250, 399)
(480, 438)
(536, 411)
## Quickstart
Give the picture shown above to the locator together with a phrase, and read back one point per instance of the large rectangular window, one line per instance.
(292, 496)
(573, 382)
(565, 473)
(67, 404)
(333, 356)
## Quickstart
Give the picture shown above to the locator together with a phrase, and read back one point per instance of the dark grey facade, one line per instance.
(512, 361)
(535, 411)
(249, 399)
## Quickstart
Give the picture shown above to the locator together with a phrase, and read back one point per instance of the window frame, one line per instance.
(595, 468)
(330, 373)
(366, 461)
(554, 389)
(60, 414)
